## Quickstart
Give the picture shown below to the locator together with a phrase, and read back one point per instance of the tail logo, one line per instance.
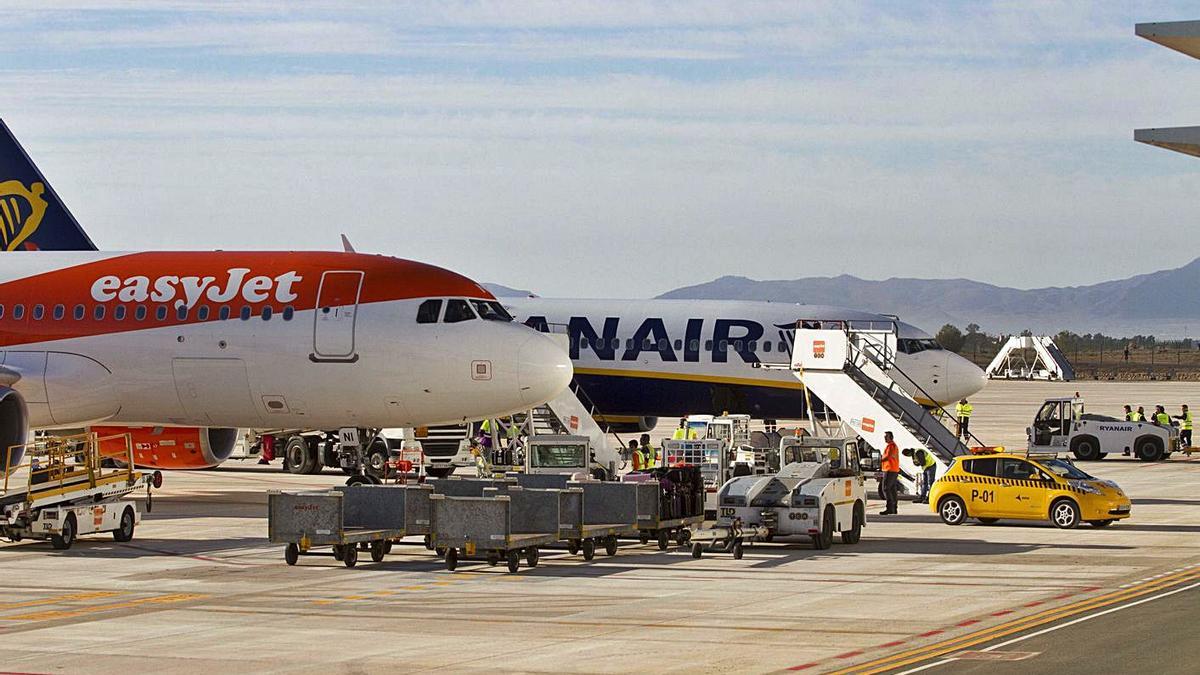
(21, 212)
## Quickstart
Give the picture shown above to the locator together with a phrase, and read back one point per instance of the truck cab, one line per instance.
(1061, 424)
(558, 454)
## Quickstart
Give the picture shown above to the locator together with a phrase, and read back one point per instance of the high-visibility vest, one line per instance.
(964, 409)
(486, 427)
(1186, 424)
(682, 434)
(650, 457)
(1132, 416)
(891, 459)
(929, 460)
(1162, 418)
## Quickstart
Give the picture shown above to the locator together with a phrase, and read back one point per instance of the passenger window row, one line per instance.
(140, 313)
(693, 345)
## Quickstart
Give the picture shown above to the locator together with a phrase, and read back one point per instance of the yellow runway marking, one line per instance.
(412, 588)
(945, 647)
(71, 613)
(59, 598)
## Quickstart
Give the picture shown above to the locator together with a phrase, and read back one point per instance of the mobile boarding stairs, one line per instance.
(851, 371)
(1049, 363)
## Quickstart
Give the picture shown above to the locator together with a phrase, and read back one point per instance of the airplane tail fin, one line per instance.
(32, 217)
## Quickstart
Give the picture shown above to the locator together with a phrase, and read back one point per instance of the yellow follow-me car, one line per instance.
(1003, 485)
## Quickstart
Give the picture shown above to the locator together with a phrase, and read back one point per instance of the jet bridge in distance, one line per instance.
(1049, 363)
(848, 370)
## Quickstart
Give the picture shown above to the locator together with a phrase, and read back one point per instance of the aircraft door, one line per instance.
(337, 306)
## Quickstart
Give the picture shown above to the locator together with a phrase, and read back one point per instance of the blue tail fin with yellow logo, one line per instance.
(32, 217)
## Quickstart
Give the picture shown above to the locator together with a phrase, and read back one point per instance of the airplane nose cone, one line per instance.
(543, 370)
(965, 379)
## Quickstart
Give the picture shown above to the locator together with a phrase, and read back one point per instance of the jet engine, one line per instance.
(628, 425)
(169, 447)
(14, 426)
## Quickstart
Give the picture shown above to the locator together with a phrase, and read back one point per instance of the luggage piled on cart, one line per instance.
(670, 500)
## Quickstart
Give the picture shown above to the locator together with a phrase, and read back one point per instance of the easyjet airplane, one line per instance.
(206, 342)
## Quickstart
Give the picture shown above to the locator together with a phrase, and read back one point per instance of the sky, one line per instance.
(620, 149)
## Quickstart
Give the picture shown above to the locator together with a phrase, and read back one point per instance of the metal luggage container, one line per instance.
(554, 481)
(650, 521)
(340, 519)
(466, 487)
(608, 511)
(494, 528)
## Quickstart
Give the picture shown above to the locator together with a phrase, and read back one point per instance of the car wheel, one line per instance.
(824, 539)
(125, 532)
(1085, 448)
(298, 459)
(63, 540)
(953, 510)
(853, 535)
(1148, 449)
(1064, 514)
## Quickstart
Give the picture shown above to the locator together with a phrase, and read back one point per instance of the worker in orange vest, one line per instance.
(890, 465)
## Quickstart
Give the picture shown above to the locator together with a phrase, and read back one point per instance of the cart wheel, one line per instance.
(125, 533)
(514, 560)
(737, 550)
(387, 547)
(531, 556)
(610, 545)
(697, 550)
(644, 537)
(451, 559)
(338, 552)
(63, 540)
(441, 552)
(350, 556)
(573, 546)
(664, 539)
(429, 542)
(683, 536)
(291, 554)
(378, 550)
(589, 549)
(493, 560)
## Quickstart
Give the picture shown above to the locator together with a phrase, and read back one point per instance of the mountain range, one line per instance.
(1165, 304)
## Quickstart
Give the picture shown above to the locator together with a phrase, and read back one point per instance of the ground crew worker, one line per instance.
(483, 468)
(635, 455)
(1141, 414)
(928, 466)
(890, 465)
(683, 433)
(1161, 416)
(650, 455)
(1131, 416)
(1185, 427)
(963, 412)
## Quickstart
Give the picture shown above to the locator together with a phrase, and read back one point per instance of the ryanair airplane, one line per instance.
(642, 359)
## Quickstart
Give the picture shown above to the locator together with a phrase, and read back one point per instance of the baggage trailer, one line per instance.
(340, 519)
(670, 501)
(494, 528)
(61, 489)
(607, 511)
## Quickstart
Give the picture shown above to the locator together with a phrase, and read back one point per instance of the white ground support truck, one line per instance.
(1061, 425)
(61, 489)
(820, 490)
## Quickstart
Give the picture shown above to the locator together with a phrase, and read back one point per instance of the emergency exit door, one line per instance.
(337, 305)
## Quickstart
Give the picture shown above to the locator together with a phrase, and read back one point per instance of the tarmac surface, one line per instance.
(200, 589)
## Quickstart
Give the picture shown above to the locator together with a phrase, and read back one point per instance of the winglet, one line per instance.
(346, 246)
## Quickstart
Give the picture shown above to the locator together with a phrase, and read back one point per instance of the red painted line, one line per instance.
(968, 622)
(1002, 612)
(1035, 603)
(931, 633)
(1064, 596)
(1089, 589)
(804, 666)
(849, 655)
(890, 644)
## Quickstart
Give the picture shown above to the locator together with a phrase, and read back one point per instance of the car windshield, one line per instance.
(1065, 469)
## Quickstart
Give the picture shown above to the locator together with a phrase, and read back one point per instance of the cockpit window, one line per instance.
(915, 346)
(490, 310)
(429, 311)
(458, 310)
(931, 345)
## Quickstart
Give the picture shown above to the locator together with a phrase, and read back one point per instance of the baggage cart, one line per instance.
(603, 513)
(340, 519)
(494, 528)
